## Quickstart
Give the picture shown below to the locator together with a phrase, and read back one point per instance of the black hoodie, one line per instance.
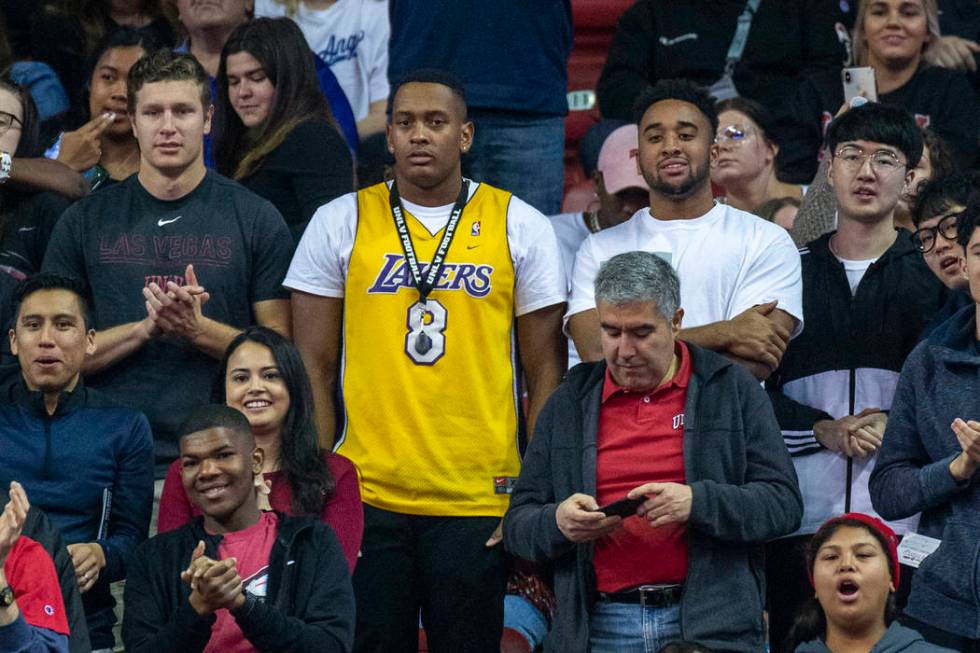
(309, 606)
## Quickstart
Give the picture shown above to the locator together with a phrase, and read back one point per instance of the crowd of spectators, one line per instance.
(303, 353)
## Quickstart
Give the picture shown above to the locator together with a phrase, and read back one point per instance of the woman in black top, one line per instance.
(277, 135)
(890, 36)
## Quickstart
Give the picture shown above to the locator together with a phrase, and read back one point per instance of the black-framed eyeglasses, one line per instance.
(7, 120)
(924, 239)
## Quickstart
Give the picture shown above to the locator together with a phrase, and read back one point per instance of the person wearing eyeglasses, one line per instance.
(867, 294)
(930, 458)
(940, 205)
(745, 167)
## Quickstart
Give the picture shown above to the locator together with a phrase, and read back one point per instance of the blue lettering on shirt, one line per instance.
(341, 49)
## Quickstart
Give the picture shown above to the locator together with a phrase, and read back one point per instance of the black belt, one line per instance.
(649, 596)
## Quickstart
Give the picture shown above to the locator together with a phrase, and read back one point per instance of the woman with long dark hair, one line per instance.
(263, 376)
(276, 134)
(853, 565)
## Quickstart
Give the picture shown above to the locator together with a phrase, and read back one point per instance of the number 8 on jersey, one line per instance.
(425, 342)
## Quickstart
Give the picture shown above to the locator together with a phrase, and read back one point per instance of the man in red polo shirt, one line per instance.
(688, 435)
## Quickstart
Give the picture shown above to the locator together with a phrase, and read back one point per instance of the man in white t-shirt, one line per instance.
(351, 37)
(620, 191)
(868, 294)
(740, 275)
(437, 286)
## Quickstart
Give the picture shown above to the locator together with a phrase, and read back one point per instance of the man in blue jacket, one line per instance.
(691, 438)
(84, 461)
(929, 458)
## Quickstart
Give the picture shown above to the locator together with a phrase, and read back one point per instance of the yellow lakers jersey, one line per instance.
(432, 428)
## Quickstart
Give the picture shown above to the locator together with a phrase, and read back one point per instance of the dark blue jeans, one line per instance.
(632, 628)
(520, 153)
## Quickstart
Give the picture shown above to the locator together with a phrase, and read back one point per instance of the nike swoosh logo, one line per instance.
(472, 246)
(24, 230)
(666, 42)
(162, 222)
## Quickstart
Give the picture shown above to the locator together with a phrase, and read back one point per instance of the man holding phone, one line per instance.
(690, 434)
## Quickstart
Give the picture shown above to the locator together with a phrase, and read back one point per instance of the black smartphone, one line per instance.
(623, 508)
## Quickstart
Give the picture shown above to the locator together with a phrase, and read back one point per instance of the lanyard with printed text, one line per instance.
(426, 285)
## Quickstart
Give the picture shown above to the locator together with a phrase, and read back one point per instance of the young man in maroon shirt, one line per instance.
(688, 434)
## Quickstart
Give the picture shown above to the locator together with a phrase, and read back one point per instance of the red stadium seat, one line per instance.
(594, 22)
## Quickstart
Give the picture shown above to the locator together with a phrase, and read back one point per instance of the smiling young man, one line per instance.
(443, 283)
(690, 434)
(866, 297)
(741, 275)
(52, 426)
(144, 245)
(236, 578)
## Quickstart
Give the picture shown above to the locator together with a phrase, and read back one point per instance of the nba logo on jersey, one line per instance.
(475, 228)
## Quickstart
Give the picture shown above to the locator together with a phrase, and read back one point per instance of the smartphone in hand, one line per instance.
(859, 82)
(622, 508)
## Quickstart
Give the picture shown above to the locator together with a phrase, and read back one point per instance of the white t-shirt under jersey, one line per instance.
(570, 230)
(727, 260)
(320, 264)
(350, 36)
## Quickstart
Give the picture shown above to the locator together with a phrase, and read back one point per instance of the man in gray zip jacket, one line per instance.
(714, 482)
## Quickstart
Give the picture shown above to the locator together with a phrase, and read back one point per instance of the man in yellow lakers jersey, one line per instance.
(442, 291)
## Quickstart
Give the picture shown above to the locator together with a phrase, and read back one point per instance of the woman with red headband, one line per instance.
(854, 569)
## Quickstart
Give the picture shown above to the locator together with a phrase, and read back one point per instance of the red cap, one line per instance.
(879, 527)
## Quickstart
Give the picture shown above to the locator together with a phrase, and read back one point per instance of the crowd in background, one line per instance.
(316, 343)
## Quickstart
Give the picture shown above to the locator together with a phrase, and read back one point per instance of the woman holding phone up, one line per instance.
(890, 36)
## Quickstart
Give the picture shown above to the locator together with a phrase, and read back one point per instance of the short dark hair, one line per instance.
(969, 222)
(880, 123)
(165, 65)
(940, 193)
(49, 281)
(429, 76)
(677, 89)
(216, 416)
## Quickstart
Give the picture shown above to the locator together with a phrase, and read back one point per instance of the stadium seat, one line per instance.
(594, 22)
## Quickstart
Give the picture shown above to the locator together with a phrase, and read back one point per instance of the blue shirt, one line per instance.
(512, 55)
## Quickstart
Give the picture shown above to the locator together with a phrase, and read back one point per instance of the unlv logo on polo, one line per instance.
(678, 421)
